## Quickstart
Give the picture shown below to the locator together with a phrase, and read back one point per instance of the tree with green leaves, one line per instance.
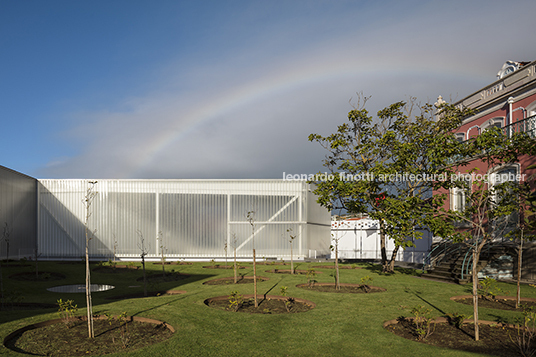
(491, 199)
(386, 167)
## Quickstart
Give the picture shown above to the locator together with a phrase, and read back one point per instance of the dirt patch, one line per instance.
(495, 339)
(344, 288)
(59, 339)
(499, 302)
(230, 280)
(173, 263)
(267, 304)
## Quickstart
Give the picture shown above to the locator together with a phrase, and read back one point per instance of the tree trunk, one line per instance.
(144, 276)
(163, 265)
(519, 264)
(391, 264)
(88, 296)
(337, 283)
(475, 292)
(255, 279)
(235, 270)
(385, 267)
(291, 260)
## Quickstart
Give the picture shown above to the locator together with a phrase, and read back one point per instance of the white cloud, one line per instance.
(251, 117)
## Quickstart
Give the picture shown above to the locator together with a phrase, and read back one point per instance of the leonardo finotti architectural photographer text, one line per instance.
(343, 176)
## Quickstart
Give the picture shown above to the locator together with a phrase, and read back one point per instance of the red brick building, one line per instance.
(508, 103)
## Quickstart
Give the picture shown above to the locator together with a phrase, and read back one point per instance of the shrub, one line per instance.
(67, 309)
(422, 322)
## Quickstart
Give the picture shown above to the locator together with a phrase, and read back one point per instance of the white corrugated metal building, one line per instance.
(194, 218)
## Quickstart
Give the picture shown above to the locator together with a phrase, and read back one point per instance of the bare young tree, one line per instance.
(87, 201)
(235, 268)
(291, 236)
(225, 246)
(250, 217)
(160, 239)
(144, 251)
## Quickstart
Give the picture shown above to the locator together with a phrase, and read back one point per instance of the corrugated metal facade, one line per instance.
(195, 218)
(18, 213)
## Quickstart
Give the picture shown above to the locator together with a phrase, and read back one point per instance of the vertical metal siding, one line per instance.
(195, 217)
(18, 197)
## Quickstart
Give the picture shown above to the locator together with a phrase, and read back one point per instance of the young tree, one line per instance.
(291, 237)
(235, 267)
(144, 251)
(87, 201)
(490, 199)
(160, 238)
(225, 246)
(526, 230)
(387, 167)
(250, 217)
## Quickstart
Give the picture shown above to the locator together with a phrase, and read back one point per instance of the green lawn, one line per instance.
(341, 324)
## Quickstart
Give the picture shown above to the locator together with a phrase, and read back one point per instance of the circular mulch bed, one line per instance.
(344, 288)
(267, 304)
(271, 263)
(58, 339)
(167, 277)
(41, 276)
(230, 280)
(500, 302)
(288, 271)
(494, 338)
(333, 267)
(222, 267)
(7, 306)
(149, 294)
(116, 269)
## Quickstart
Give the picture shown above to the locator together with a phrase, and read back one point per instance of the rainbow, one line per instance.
(286, 82)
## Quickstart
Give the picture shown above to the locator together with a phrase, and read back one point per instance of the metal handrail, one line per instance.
(463, 264)
(486, 248)
(447, 245)
(527, 125)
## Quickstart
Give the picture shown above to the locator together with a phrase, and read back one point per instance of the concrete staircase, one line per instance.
(448, 263)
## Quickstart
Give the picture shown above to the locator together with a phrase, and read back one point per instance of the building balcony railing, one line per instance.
(527, 125)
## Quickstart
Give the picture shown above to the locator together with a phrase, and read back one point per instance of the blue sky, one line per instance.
(227, 89)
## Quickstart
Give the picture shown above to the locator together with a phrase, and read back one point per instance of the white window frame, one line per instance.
(456, 204)
(531, 109)
(493, 122)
